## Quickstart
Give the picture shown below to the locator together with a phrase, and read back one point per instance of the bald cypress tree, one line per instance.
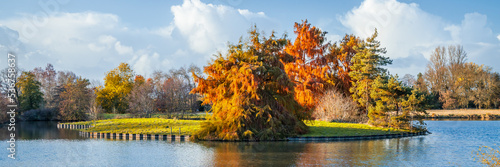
(251, 95)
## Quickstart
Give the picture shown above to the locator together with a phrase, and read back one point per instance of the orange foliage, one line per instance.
(340, 57)
(139, 79)
(316, 66)
(251, 96)
(306, 64)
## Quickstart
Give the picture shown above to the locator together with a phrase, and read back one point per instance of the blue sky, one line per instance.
(93, 37)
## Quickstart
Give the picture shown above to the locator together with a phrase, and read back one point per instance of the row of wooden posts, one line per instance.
(72, 126)
(127, 136)
(122, 136)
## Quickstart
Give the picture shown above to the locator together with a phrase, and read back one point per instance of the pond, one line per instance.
(450, 144)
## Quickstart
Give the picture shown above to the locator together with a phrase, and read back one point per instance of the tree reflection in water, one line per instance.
(39, 130)
(392, 152)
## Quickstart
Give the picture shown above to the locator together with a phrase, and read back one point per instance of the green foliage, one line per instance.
(365, 68)
(117, 86)
(413, 106)
(30, 96)
(249, 91)
(386, 93)
(396, 105)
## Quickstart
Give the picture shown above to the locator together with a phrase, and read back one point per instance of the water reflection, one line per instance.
(451, 144)
(255, 153)
(39, 130)
(385, 152)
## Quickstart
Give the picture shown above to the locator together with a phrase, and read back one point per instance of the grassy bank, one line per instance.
(197, 115)
(334, 129)
(158, 126)
(162, 127)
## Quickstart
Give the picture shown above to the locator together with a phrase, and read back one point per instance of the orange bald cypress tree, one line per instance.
(306, 64)
(339, 62)
(251, 95)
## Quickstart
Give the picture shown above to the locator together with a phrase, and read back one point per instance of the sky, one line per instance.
(92, 37)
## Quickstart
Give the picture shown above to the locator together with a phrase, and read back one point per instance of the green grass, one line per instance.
(188, 115)
(162, 126)
(334, 129)
(158, 126)
(200, 115)
(113, 116)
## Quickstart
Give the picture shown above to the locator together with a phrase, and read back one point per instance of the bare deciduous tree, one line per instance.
(141, 100)
(335, 106)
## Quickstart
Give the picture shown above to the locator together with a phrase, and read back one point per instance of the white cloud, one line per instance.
(91, 43)
(85, 43)
(165, 32)
(498, 37)
(145, 63)
(407, 31)
(9, 40)
(403, 28)
(121, 49)
(209, 27)
(95, 48)
(107, 40)
(70, 38)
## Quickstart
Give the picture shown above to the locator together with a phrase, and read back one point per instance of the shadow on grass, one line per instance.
(325, 131)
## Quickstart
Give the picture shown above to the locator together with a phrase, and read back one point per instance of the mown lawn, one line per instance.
(188, 115)
(162, 126)
(331, 129)
(158, 126)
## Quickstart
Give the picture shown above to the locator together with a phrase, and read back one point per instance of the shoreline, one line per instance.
(319, 131)
(367, 137)
(483, 114)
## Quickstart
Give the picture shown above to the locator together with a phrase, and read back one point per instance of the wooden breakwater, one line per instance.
(72, 126)
(122, 136)
(349, 138)
(128, 136)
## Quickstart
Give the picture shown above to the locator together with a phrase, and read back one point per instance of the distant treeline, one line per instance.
(454, 83)
(47, 94)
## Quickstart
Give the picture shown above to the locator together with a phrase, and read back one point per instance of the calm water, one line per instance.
(451, 144)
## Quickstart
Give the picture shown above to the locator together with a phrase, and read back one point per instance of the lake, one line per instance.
(450, 144)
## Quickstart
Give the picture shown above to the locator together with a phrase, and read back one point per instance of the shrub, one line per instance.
(45, 114)
(4, 117)
(335, 106)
